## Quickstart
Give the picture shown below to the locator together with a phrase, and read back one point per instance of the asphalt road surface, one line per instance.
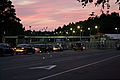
(91, 64)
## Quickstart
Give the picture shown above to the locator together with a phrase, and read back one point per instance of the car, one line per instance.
(78, 46)
(24, 49)
(6, 49)
(57, 48)
(49, 47)
(39, 48)
(118, 46)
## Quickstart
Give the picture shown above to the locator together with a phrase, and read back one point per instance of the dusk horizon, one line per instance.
(53, 14)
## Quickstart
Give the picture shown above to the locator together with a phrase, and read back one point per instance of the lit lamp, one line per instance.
(66, 32)
(81, 34)
(60, 32)
(71, 29)
(56, 32)
(66, 36)
(116, 29)
(81, 30)
(89, 29)
(78, 27)
(96, 27)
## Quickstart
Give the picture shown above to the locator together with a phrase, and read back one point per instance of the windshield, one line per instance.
(24, 45)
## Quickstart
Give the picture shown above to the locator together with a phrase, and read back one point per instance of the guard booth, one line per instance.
(100, 40)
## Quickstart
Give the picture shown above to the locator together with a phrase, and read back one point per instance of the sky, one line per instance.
(54, 13)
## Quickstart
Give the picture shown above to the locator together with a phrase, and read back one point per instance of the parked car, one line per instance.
(24, 48)
(6, 49)
(118, 46)
(57, 48)
(78, 46)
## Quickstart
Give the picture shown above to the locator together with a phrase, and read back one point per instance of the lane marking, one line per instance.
(49, 67)
(60, 73)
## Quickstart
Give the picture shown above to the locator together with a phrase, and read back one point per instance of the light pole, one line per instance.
(78, 27)
(89, 29)
(4, 37)
(116, 31)
(96, 27)
(66, 36)
(81, 34)
(73, 32)
(71, 29)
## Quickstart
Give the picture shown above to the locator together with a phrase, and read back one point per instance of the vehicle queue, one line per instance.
(5, 48)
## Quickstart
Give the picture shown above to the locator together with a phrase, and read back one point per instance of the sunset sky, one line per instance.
(54, 13)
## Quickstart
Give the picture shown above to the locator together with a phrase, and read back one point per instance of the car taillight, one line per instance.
(84, 48)
(22, 48)
(38, 48)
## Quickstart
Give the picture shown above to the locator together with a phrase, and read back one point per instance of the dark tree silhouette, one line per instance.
(106, 24)
(9, 23)
(98, 2)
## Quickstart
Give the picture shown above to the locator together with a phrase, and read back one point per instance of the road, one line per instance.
(91, 64)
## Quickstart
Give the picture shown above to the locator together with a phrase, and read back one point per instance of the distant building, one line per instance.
(113, 36)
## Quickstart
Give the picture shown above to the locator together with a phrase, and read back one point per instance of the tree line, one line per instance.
(105, 23)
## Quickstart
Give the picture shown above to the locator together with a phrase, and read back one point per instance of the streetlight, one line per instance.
(96, 27)
(71, 29)
(30, 34)
(78, 27)
(89, 29)
(81, 30)
(60, 32)
(117, 31)
(4, 37)
(81, 34)
(56, 32)
(66, 35)
(116, 28)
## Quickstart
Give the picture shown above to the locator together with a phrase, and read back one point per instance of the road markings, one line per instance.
(49, 67)
(90, 64)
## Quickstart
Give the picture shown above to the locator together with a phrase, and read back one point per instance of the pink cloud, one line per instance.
(52, 13)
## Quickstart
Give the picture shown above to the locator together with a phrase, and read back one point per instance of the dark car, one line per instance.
(43, 47)
(49, 47)
(40, 48)
(118, 46)
(78, 46)
(24, 48)
(57, 48)
(6, 49)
